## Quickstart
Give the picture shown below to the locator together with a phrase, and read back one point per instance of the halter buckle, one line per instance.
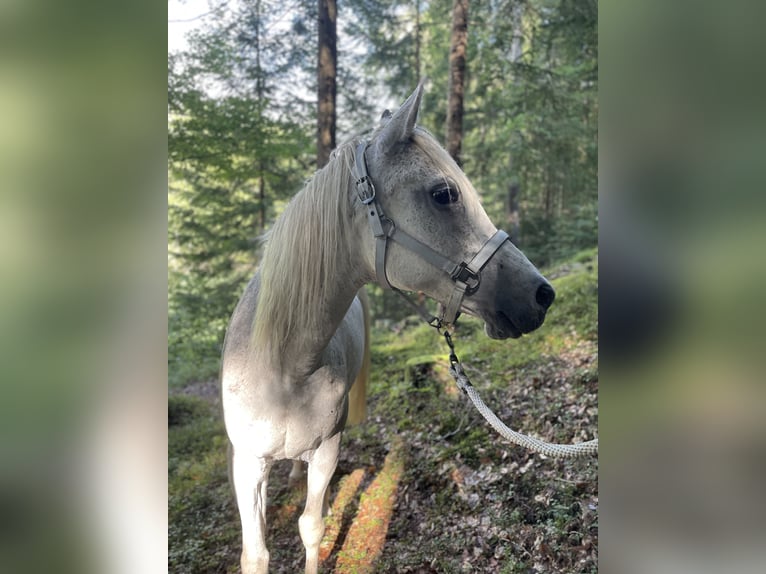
(365, 190)
(467, 276)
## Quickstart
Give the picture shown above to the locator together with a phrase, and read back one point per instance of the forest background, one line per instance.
(242, 115)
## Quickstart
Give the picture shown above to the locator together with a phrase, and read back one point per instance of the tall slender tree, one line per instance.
(326, 79)
(236, 148)
(457, 66)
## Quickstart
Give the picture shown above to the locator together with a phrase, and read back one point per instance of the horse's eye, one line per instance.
(445, 195)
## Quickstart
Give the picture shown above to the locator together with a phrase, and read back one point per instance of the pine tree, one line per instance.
(457, 71)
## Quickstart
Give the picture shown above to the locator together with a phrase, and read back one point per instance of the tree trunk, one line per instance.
(262, 198)
(457, 58)
(326, 86)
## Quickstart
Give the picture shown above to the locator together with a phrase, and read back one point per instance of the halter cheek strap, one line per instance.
(366, 192)
(466, 276)
(472, 273)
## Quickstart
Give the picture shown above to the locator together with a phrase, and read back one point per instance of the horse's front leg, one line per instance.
(321, 468)
(251, 477)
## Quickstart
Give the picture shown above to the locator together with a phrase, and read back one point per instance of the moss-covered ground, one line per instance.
(425, 485)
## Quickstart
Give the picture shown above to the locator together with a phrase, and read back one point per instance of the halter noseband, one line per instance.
(466, 276)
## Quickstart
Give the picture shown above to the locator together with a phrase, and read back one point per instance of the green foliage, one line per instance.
(537, 383)
(235, 151)
(547, 240)
(198, 311)
(531, 104)
(461, 487)
(532, 120)
(183, 410)
(241, 127)
(239, 144)
(203, 532)
(576, 305)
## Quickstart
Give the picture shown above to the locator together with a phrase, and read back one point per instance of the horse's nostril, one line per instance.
(545, 295)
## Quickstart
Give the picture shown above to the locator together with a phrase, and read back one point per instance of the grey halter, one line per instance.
(466, 276)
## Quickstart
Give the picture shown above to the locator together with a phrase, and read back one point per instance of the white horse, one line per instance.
(392, 208)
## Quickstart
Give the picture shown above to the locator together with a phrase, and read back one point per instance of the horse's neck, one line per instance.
(304, 348)
(334, 269)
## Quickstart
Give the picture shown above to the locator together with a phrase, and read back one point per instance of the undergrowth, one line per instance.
(457, 498)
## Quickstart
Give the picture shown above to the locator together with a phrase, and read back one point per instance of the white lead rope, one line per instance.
(589, 448)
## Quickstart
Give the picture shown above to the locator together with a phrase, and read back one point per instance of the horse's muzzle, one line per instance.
(510, 317)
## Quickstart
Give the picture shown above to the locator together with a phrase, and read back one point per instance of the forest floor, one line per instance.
(424, 485)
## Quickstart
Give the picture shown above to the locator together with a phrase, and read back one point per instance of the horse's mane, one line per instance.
(302, 250)
(301, 253)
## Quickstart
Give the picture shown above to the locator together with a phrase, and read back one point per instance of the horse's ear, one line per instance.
(401, 125)
(385, 116)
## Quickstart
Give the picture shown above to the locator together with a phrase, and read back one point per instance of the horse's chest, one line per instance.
(316, 414)
(287, 424)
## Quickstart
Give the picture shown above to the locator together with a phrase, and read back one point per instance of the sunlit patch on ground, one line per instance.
(367, 535)
(342, 507)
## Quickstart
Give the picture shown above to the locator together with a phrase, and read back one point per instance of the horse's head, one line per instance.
(422, 194)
